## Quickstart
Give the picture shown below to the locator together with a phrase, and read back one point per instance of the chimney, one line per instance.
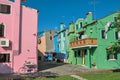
(89, 17)
(62, 26)
(71, 27)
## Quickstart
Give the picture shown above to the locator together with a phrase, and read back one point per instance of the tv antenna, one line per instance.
(94, 2)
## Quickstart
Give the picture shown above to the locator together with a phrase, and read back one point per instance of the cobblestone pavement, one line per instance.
(50, 69)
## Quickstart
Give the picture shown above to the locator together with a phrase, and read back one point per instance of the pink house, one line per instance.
(18, 37)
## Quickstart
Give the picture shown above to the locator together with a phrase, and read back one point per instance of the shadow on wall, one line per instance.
(40, 55)
(4, 68)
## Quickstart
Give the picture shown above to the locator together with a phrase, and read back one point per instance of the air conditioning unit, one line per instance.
(4, 42)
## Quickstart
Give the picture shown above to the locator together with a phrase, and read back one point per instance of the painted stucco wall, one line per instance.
(63, 42)
(21, 30)
(97, 54)
(103, 62)
(49, 34)
(56, 43)
(28, 37)
(42, 45)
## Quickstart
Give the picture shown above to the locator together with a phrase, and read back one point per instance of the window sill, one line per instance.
(2, 37)
(111, 59)
(5, 62)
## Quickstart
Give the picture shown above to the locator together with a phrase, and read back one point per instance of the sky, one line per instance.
(53, 12)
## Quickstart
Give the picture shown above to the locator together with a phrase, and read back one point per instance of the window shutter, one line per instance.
(115, 55)
(107, 56)
(116, 35)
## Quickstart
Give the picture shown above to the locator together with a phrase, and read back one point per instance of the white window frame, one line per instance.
(10, 8)
(113, 57)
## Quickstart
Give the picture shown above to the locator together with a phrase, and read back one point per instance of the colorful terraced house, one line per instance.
(63, 39)
(89, 40)
(18, 37)
(63, 42)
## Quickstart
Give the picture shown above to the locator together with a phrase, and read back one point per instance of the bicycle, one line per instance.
(28, 67)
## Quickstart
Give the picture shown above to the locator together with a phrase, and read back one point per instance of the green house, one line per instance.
(89, 40)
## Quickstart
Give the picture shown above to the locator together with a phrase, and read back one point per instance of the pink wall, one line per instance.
(21, 30)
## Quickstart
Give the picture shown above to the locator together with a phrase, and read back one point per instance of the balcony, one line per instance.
(87, 42)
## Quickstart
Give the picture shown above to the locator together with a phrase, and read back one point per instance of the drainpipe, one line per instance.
(16, 23)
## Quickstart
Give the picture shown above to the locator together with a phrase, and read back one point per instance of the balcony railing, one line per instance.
(84, 42)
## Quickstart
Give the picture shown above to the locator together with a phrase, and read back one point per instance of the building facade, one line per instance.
(46, 43)
(56, 45)
(18, 36)
(63, 42)
(62, 39)
(89, 40)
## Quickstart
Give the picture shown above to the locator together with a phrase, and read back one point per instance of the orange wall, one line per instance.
(42, 45)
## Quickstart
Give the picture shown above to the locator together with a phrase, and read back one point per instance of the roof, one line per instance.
(110, 14)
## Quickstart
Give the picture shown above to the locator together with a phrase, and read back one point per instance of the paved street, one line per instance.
(50, 69)
(61, 68)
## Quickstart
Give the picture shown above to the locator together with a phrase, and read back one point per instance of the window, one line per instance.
(1, 30)
(115, 19)
(81, 24)
(117, 35)
(4, 57)
(39, 41)
(103, 34)
(63, 34)
(51, 38)
(64, 44)
(59, 37)
(50, 32)
(79, 53)
(80, 36)
(76, 26)
(5, 9)
(12, 0)
(59, 47)
(112, 56)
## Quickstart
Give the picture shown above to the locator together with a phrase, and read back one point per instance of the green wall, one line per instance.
(93, 30)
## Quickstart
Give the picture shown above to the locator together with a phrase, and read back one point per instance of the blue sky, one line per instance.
(53, 12)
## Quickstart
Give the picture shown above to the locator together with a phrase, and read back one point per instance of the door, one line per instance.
(83, 52)
(83, 57)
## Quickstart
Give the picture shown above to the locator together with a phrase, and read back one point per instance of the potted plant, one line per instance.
(93, 64)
